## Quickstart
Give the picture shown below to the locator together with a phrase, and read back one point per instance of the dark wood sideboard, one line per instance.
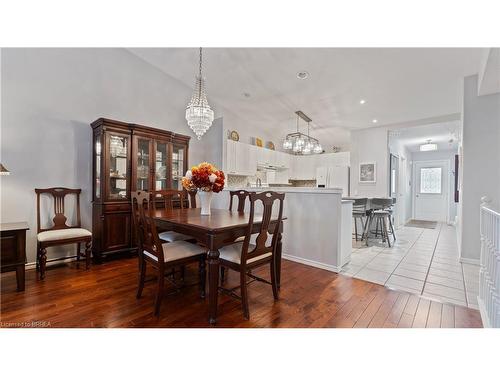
(13, 250)
(128, 157)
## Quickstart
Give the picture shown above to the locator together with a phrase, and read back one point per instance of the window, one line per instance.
(430, 180)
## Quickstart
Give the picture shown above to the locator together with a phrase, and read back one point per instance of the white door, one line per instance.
(430, 190)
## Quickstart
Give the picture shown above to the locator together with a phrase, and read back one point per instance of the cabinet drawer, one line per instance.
(117, 207)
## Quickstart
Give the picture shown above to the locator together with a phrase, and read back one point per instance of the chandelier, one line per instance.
(300, 143)
(199, 115)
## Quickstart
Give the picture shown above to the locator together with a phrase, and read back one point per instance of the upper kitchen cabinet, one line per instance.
(241, 159)
(265, 157)
(282, 160)
(333, 159)
(274, 159)
(303, 167)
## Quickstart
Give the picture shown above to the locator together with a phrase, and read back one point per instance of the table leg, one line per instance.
(20, 278)
(213, 279)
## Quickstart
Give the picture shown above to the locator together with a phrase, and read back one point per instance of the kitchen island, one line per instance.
(318, 228)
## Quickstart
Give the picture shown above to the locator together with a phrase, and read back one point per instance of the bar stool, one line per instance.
(379, 212)
(390, 209)
(359, 213)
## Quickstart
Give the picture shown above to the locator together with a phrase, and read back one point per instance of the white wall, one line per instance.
(403, 202)
(481, 162)
(440, 155)
(49, 98)
(370, 145)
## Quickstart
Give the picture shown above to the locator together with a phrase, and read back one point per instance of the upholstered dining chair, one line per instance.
(161, 256)
(60, 233)
(241, 196)
(167, 198)
(243, 257)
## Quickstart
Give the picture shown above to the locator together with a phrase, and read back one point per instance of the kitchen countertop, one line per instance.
(293, 190)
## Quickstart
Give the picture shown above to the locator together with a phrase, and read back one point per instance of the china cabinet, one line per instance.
(129, 157)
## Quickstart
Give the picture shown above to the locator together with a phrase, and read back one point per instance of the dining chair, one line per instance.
(359, 213)
(60, 233)
(161, 256)
(243, 257)
(241, 196)
(167, 198)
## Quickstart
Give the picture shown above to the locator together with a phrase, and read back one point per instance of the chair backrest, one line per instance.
(380, 203)
(192, 198)
(145, 225)
(268, 199)
(242, 197)
(359, 204)
(168, 197)
(59, 219)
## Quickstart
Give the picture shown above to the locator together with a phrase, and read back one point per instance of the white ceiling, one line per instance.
(399, 84)
(446, 135)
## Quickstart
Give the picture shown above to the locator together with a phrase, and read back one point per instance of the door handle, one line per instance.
(417, 195)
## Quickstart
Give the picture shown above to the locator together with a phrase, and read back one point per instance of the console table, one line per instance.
(13, 250)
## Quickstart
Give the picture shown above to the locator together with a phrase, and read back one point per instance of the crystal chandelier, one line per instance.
(199, 115)
(300, 143)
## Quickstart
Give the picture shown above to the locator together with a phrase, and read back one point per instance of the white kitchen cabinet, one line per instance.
(241, 159)
(282, 160)
(265, 157)
(303, 167)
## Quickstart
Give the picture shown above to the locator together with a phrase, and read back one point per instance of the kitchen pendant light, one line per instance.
(199, 115)
(300, 143)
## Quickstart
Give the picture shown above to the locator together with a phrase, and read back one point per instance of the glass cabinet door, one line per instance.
(97, 166)
(161, 165)
(118, 146)
(143, 164)
(178, 158)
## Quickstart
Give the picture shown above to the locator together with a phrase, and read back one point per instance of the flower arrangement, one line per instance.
(204, 177)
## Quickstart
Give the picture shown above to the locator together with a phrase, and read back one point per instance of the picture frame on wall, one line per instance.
(367, 173)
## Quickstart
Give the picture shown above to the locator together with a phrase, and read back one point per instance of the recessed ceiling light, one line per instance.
(374, 120)
(302, 75)
(362, 101)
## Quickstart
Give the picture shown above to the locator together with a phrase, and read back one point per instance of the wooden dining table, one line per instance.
(215, 231)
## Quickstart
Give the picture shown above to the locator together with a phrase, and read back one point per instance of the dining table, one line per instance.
(214, 231)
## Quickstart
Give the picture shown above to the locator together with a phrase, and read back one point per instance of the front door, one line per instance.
(430, 190)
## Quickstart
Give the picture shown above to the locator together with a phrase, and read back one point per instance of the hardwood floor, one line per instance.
(105, 297)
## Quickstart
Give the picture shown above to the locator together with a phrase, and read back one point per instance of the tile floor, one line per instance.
(422, 261)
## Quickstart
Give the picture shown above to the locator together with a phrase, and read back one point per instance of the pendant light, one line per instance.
(199, 115)
(300, 143)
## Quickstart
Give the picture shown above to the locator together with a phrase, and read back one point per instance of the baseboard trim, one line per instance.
(312, 263)
(32, 265)
(482, 311)
(469, 261)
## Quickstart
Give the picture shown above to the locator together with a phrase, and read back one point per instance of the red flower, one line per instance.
(200, 178)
